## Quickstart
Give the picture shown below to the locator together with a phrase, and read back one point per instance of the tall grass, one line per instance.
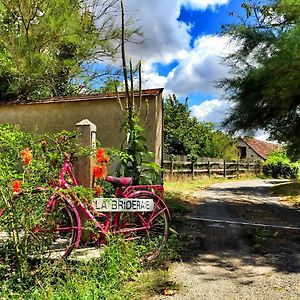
(116, 275)
(101, 278)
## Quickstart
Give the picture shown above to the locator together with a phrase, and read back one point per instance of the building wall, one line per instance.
(250, 153)
(106, 114)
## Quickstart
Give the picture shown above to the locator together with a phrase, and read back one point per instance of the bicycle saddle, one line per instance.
(119, 181)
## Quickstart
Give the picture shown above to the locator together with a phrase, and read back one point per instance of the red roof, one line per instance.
(105, 96)
(262, 148)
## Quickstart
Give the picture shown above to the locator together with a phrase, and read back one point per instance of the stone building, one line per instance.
(253, 149)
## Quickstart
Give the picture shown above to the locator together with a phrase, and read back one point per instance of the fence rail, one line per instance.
(208, 167)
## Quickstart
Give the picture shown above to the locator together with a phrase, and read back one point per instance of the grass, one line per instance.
(184, 185)
(178, 191)
(117, 275)
(97, 279)
(187, 185)
(150, 283)
(290, 192)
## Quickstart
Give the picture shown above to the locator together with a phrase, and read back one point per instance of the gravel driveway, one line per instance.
(229, 254)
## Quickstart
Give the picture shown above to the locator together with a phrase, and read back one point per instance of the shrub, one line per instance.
(278, 165)
(134, 158)
(27, 161)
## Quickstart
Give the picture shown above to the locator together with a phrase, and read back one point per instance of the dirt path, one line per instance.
(227, 257)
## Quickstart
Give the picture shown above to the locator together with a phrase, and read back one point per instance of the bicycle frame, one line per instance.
(132, 225)
(109, 219)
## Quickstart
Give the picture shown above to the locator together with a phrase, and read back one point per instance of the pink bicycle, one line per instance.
(137, 212)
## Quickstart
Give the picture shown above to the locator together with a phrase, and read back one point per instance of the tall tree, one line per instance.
(184, 135)
(266, 83)
(50, 47)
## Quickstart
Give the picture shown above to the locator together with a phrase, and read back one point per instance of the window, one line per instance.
(243, 152)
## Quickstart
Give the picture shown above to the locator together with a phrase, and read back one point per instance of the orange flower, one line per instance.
(104, 171)
(101, 156)
(16, 185)
(97, 171)
(100, 171)
(98, 190)
(26, 156)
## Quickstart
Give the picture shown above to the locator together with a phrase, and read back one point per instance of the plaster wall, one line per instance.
(106, 114)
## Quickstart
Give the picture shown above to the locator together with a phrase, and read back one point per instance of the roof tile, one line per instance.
(262, 148)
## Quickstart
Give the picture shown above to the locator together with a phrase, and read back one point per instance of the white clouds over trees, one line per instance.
(167, 40)
(200, 70)
(211, 110)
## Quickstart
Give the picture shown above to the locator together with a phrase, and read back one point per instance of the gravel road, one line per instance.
(229, 254)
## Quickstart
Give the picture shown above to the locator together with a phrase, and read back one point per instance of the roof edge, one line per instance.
(77, 98)
(259, 154)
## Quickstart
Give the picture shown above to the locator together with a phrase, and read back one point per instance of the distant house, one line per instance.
(251, 148)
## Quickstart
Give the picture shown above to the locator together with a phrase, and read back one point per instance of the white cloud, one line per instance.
(261, 135)
(166, 40)
(150, 80)
(203, 4)
(201, 69)
(165, 37)
(211, 110)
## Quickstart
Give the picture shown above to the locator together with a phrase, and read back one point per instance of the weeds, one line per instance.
(97, 279)
(258, 240)
(176, 203)
(117, 274)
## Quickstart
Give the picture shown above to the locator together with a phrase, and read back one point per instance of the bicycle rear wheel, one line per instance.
(58, 231)
(150, 230)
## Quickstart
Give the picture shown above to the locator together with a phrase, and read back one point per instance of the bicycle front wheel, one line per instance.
(59, 230)
(150, 230)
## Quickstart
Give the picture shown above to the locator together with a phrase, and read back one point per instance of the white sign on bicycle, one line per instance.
(123, 204)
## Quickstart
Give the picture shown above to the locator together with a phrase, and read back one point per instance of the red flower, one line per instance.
(101, 156)
(16, 185)
(26, 156)
(100, 171)
(98, 190)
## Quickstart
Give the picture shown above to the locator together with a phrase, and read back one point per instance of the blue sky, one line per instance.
(182, 50)
(210, 20)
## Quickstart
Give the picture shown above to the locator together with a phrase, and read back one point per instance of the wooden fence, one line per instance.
(209, 166)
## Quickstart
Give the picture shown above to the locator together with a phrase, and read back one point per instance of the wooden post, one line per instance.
(224, 171)
(193, 169)
(172, 168)
(84, 165)
(237, 169)
(208, 169)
